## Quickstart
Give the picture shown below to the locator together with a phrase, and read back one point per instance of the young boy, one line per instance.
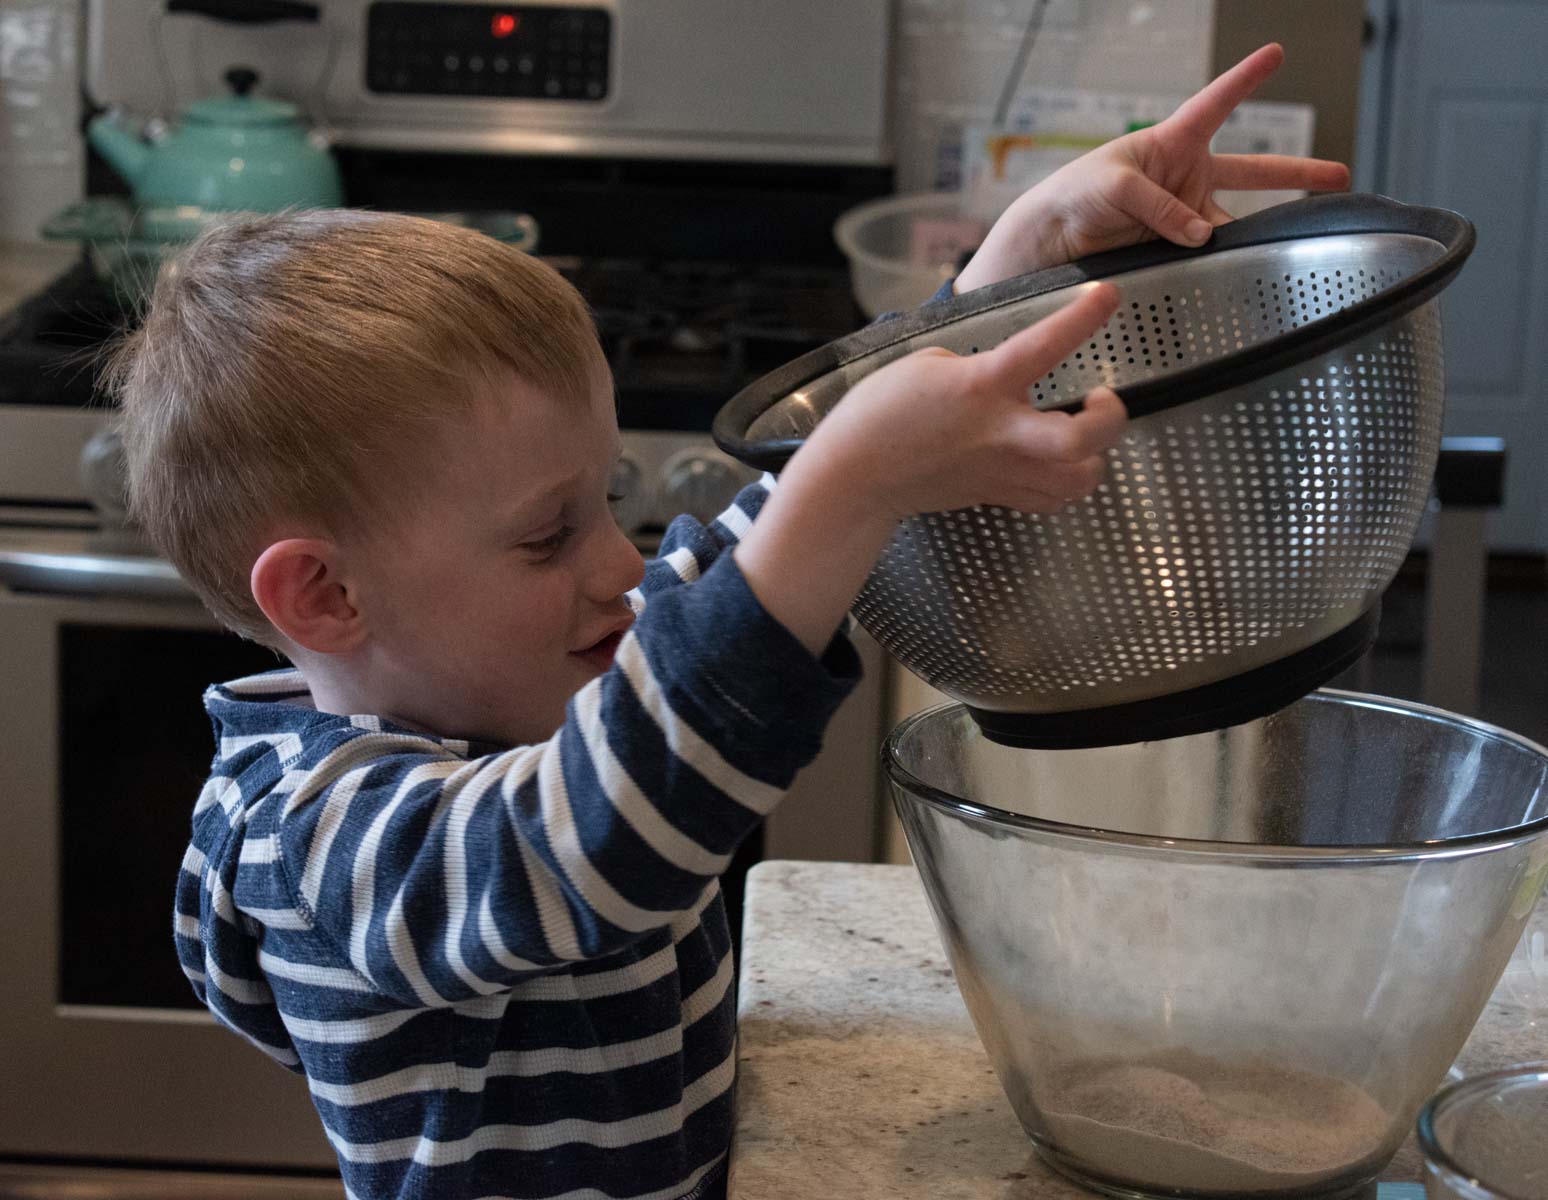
(460, 864)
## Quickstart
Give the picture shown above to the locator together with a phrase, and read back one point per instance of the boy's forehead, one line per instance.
(514, 398)
(543, 439)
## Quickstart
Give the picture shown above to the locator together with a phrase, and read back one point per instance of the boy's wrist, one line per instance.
(815, 543)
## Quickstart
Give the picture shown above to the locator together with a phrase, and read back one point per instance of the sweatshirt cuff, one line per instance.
(945, 292)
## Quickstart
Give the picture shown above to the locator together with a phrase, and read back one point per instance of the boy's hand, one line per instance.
(937, 431)
(930, 432)
(1158, 181)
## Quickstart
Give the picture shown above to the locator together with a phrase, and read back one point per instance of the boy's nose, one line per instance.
(619, 566)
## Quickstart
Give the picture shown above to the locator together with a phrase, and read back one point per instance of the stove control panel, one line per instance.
(663, 473)
(511, 52)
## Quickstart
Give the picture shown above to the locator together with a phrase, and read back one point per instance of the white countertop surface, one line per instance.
(860, 1075)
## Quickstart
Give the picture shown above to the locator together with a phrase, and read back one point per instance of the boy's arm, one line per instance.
(931, 432)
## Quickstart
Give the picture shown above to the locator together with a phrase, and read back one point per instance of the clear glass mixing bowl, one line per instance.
(1237, 962)
(1486, 1138)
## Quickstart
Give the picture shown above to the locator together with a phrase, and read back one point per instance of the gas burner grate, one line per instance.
(708, 327)
(48, 342)
(681, 336)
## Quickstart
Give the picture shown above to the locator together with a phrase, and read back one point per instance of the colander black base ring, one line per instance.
(1245, 697)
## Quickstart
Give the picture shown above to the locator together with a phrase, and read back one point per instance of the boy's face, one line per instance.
(493, 601)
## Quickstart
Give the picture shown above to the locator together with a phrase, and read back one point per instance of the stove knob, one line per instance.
(700, 483)
(104, 475)
(633, 507)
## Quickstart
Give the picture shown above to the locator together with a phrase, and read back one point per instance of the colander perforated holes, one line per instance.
(1247, 523)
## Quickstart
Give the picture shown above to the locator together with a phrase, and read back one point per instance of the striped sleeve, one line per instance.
(442, 878)
(688, 549)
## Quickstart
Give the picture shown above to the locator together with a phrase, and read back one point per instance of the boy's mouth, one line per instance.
(600, 654)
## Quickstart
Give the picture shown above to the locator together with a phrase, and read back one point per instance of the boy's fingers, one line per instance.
(1216, 215)
(1053, 486)
(1278, 172)
(1158, 209)
(1096, 429)
(1105, 416)
(1203, 113)
(1050, 438)
(1025, 357)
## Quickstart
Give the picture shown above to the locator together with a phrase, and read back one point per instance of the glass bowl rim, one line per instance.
(905, 780)
(1461, 1089)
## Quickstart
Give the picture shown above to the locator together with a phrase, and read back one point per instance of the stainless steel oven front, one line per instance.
(106, 1055)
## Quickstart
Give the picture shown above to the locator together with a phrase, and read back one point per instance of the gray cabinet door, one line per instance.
(1460, 101)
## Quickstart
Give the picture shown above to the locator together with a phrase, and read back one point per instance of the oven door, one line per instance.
(105, 1053)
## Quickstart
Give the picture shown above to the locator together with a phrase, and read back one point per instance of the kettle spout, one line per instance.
(124, 151)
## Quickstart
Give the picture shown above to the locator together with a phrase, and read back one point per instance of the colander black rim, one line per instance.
(1485, 841)
(1238, 698)
(1315, 216)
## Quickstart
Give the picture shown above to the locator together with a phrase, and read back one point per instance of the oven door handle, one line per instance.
(104, 576)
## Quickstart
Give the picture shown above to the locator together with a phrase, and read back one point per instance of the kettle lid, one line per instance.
(241, 107)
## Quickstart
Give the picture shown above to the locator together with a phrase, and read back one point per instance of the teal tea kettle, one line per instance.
(235, 153)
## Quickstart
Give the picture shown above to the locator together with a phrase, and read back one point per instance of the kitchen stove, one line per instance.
(682, 337)
(688, 329)
(43, 339)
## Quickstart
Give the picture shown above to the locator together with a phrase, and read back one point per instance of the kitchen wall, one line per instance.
(954, 56)
(40, 146)
(1323, 44)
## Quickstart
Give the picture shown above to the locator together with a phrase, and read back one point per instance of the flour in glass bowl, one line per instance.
(1182, 1120)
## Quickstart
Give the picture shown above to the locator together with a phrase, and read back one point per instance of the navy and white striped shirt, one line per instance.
(506, 972)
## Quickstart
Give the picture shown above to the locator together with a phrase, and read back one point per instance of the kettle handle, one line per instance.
(248, 12)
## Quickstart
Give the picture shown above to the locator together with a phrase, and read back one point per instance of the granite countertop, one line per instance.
(860, 1074)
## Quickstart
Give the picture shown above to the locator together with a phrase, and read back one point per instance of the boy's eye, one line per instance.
(615, 497)
(549, 546)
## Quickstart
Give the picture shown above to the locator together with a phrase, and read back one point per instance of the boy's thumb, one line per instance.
(1155, 207)
(1105, 417)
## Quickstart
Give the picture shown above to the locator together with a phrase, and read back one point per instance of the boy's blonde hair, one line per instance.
(289, 367)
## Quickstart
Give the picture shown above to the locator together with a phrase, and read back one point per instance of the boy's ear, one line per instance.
(297, 584)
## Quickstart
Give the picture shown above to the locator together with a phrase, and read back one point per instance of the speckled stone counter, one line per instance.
(860, 1074)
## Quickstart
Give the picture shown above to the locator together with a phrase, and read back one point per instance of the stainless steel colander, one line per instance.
(1284, 385)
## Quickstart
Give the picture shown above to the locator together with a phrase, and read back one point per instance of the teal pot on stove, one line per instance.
(240, 152)
(226, 154)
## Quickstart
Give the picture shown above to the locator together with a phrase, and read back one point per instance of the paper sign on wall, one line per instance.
(1046, 128)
